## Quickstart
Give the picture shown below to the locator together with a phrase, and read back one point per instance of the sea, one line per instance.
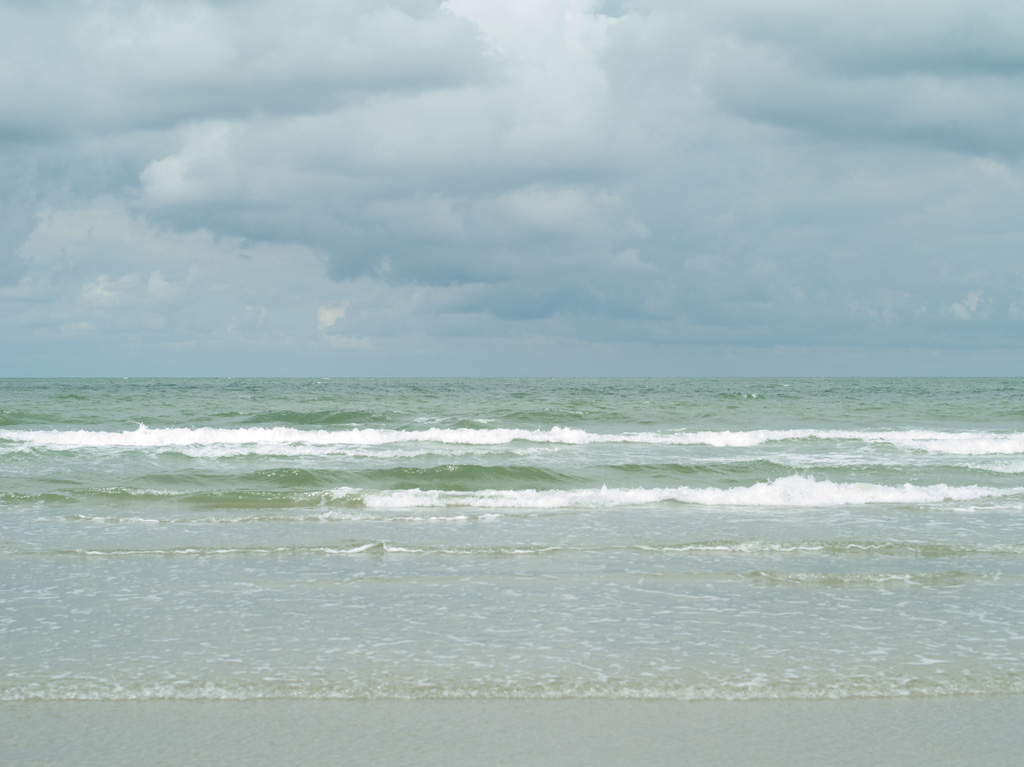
(733, 539)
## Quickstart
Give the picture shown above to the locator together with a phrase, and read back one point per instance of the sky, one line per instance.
(541, 187)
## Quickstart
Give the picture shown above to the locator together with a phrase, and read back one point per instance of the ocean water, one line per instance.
(669, 539)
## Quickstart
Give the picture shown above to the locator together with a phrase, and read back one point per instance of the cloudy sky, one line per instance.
(538, 187)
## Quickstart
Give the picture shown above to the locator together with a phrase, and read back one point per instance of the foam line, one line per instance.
(262, 439)
(792, 491)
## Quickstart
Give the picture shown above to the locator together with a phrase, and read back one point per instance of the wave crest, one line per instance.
(792, 491)
(266, 439)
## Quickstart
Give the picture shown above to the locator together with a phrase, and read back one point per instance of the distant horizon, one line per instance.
(493, 377)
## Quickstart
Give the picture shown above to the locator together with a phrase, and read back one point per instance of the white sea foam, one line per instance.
(213, 442)
(999, 467)
(870, 548)
(793, 491)
(964, 443)
(737, 687)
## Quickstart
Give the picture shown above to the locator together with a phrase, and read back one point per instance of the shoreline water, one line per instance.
(981, 731)
(496, 572)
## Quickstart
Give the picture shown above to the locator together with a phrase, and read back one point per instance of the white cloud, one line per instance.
(159, 289)
(104, 292)
(559, 210)
(328, 316)
(968, 307)
(200, 172)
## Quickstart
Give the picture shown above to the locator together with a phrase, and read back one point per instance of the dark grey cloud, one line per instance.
(942, 74)
(201, 182)
(95, 68)
(946, 38)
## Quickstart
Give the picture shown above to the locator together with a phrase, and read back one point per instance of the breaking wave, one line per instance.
(793, 491)
(263, 440)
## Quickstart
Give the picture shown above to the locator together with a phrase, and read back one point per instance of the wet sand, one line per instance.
(932, 732)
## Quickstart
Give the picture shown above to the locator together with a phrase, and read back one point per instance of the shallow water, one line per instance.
(616, 539)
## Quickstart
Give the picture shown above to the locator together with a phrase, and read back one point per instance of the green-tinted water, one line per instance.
(727, 538)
